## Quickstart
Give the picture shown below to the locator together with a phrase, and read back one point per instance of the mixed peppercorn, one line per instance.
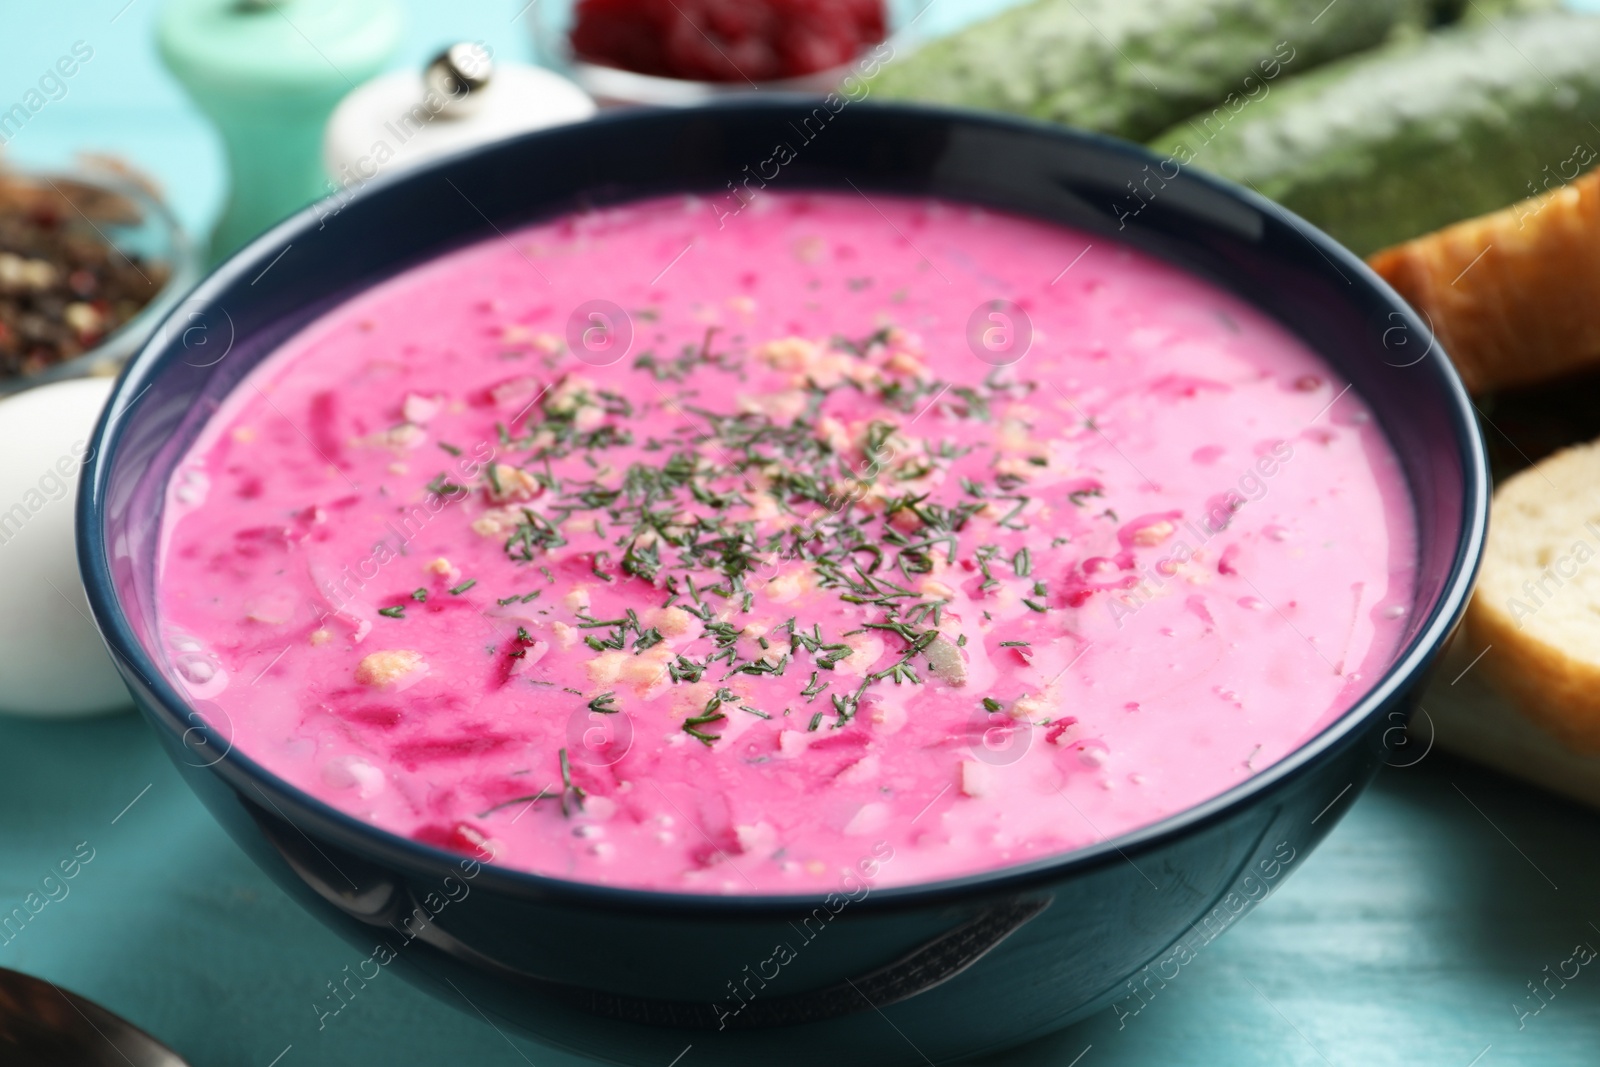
(63, 286)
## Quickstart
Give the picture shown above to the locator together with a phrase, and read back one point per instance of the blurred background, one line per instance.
(1423, 931)
(128, 104)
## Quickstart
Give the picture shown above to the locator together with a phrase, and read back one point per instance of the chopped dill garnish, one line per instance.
(532, 798)
(442, 486)
(711, 714)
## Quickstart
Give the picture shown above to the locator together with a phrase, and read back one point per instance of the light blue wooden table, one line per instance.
(1412, 936)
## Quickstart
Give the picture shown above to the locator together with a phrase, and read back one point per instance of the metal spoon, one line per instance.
(43, 1025)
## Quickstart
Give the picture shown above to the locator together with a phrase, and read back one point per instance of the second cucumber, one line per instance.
(1387, 145)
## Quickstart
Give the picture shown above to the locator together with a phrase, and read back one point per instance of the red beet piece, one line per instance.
(726, 40)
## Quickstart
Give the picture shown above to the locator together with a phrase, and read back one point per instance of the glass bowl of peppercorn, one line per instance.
(676, 53)
(89, 263)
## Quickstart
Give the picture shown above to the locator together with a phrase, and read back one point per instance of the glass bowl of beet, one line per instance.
(89, 263)
(675, 53)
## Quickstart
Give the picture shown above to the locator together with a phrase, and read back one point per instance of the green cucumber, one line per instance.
(1484, 10)
(1133, 67)
(1382, 147)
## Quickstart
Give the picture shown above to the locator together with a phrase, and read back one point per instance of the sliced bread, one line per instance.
(1510, 295)
(1537, 605)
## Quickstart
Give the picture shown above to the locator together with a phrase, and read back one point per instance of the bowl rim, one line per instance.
(172, 714)
(607, 83)
(120, 345)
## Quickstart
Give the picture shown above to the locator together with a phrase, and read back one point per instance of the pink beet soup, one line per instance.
(895, 536)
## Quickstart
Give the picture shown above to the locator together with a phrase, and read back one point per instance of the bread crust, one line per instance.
(1541, 668)
(1544, 683)
(1510, 295)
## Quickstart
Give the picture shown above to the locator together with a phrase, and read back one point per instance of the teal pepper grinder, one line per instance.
(268, 73)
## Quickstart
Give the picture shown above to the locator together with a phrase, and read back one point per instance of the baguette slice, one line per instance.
(1537, 605)
(1511, 295)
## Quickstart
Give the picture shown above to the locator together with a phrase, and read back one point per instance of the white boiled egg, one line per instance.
(52, 661)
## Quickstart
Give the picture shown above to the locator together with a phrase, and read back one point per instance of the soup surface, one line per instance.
(654, 549)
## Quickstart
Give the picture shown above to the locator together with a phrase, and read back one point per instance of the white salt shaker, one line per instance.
(462, 98)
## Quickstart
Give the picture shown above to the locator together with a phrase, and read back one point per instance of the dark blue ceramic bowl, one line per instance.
(904, 975)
